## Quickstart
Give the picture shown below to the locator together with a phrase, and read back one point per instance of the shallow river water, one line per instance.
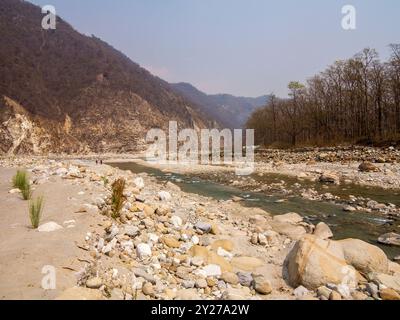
(361, 225)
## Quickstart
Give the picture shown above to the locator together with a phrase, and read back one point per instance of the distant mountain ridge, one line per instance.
(61, 91)
(228, 110)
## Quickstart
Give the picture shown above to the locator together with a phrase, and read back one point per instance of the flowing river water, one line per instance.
(361, 225)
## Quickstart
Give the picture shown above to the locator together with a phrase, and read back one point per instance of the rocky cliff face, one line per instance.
(61, 91)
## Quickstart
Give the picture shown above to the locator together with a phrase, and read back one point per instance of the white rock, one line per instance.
(12, 191)
(49, 227)
(139, 183)
(164, 196)
(143, 250)
(153, 237)
(212, 270)
(223, 253)
(195, 240)
(176, 221)
(300, 291)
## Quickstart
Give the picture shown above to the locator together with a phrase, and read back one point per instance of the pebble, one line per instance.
(94, 283)
(212, 270)
(262, 285)
(148, 289)
(245, 278)
(230, 277)
(201, 283)
(203, 226)
(143, 250)
(49, 227)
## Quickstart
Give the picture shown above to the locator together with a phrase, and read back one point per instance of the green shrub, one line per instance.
(35, 211)
(21, 179)
(26, 191)
(117, 199)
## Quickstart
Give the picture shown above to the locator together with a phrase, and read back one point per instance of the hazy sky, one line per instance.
(242, 47)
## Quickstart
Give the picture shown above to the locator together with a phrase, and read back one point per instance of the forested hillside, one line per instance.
(355, 100)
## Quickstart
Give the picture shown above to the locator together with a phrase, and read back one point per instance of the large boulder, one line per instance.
(291, 217)
(314, 262)
(364, 257)
(292, 231)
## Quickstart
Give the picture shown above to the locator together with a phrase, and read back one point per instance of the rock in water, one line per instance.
(390, 239)
(368, 167)
(323, 231)
(329, 177)
(315, 262)
(290, 217)
(364, 257)
(49, 227)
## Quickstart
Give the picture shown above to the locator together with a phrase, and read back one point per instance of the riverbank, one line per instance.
(169, 244)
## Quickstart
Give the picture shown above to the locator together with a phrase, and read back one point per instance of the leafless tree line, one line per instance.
(355, 100)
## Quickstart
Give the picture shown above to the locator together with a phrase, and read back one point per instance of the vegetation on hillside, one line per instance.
(355, 100)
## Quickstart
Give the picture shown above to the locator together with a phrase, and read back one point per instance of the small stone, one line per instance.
(214, 229)
(143, 250)
(389, 294)
(262, 285)
(390, 239)
(254, 239)
(94, 283)
(49, 227)
(335, 295)
(187, 284)
(171, 242)
(300, 292)
(230, 277)
(139, 183)
(164, 196)
(131, 231)
(324, 292)
(148, 289)
(245, 278)
(203, 226)
(372, 289)
(176, 221)
(201, 283)
(212, 270)
(349, 209)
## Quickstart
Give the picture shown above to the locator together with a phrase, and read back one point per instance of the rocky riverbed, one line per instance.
(168, 244)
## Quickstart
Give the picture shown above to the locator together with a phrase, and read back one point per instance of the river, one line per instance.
(365, 226)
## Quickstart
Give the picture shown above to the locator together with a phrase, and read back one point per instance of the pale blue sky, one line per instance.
(242, 47)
